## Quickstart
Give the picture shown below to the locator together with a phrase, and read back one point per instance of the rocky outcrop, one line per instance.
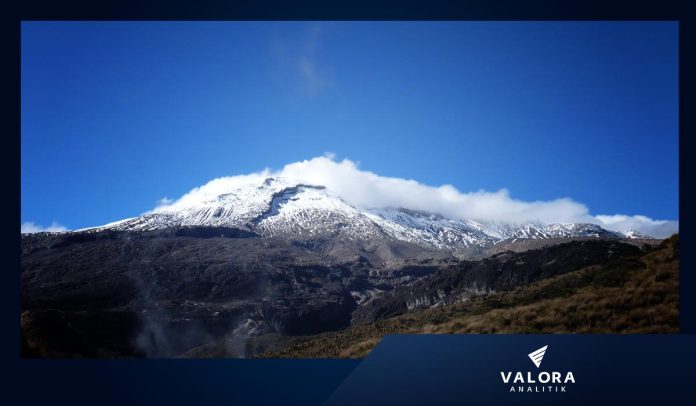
(499, 272)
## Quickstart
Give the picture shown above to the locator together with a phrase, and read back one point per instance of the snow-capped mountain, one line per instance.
(634, 235)
(279, 207)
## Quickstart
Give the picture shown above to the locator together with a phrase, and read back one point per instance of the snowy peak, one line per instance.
(271, 207)
(306, 210)
(556, 230)
(282, 207)
(635, 235)
(431, 229)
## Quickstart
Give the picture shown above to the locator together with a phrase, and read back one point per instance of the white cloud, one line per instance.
(646, 225)
(165, 201)
(30, 227)
(367, 190)
(212, 189)
(302, 58)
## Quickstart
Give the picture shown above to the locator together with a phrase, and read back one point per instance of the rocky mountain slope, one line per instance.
(176, 291)
(499, 272)
(628, 294)
(166, 291)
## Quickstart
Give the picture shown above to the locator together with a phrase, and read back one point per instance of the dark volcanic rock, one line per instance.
(185, 290)
(175, 289)
(499, 272)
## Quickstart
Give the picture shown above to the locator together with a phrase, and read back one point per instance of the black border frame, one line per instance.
(25, 371)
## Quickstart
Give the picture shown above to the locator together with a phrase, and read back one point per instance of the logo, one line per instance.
(538, 381)
(538, 355)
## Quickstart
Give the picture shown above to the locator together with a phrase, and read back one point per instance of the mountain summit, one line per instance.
(281, 207)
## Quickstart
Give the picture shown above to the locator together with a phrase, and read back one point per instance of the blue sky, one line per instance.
(117, 115)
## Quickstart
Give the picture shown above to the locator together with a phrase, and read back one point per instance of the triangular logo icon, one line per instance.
(538, 355)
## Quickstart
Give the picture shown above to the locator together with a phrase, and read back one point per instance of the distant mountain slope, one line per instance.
(637, 294)
(497, 273)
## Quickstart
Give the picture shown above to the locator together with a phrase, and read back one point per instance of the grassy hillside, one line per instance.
(629, 295)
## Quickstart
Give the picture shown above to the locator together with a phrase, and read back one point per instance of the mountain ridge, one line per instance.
(280, 207)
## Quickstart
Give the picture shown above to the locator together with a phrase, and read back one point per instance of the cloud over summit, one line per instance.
(29, 227)
(368, 190)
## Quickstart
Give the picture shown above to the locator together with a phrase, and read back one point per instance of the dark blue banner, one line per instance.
(502, 369)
